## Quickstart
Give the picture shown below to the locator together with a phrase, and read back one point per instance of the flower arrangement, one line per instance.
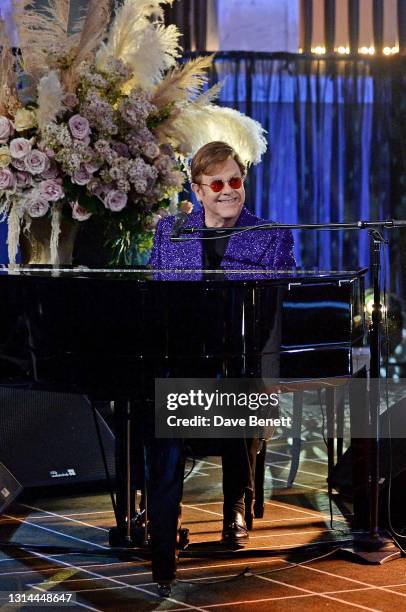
(99, 119)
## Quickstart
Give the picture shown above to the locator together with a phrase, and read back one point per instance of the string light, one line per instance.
(366, 50)
(319, 50)
(391, 50)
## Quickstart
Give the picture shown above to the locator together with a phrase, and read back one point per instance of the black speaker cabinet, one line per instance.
(392, 425)
(51, 439)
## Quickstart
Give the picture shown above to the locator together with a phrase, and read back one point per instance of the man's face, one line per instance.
(223, 208)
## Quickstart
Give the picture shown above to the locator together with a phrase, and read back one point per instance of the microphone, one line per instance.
(180, 220)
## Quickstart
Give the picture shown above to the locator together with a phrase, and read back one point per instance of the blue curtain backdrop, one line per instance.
(336, 132)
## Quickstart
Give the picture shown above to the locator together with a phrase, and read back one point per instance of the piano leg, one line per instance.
(125, 493)
(330, 417)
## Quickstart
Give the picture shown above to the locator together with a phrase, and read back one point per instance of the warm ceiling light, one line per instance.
(319, 50)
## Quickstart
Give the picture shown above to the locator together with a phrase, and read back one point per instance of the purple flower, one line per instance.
(6, 129)
(37, 206)
(51, 190)
(122, 149)
(19, 148)
(6, 178)
(81, 176)
(36, 162)
(115, 200)
(79, 213)
(79, 127)
(19, 164)
(24, 179)
(51, 172)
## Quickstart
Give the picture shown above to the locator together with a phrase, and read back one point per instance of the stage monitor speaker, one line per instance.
(49, 438)
(10, 488)
(392, 462)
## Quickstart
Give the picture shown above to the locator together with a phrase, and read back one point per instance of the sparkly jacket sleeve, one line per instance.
(280, 255)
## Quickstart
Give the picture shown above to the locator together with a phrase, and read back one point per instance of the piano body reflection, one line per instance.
(109, 333)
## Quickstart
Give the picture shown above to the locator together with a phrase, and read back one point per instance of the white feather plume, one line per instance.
(14, 227)
(127, 32)
(244, 134)
(50, 95)
(156, 51)
(56, 219)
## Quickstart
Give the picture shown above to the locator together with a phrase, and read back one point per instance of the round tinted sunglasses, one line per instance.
(218, 185)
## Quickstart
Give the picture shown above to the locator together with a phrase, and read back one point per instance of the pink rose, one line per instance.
(36, 162)
(37, 206)
(79, 213)
(115, 200)
(24, 179)
(6, 178)
(19, 164)
(79, 127)
(81, 176)
(51, 172)
(19, 148)
(51, 190)
(6, 129)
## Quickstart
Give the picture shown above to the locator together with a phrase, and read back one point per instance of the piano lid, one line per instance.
(146, 274)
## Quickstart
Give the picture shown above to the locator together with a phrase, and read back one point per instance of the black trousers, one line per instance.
(164, 472)
(238, 459)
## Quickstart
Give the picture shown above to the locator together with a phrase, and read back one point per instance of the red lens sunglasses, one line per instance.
(218, 185)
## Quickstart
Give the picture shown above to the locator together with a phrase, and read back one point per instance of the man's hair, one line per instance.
(211, 155)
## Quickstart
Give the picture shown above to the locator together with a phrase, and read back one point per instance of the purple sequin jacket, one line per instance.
(269, 250)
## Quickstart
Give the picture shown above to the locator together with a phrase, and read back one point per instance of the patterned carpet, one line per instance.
(268, 572)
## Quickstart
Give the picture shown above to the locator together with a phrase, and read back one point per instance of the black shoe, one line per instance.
(164, 589)
(234, 529)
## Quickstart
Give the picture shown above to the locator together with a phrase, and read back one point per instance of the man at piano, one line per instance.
(217, 177)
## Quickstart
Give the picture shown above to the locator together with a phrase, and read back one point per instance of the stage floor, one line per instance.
(232, 581)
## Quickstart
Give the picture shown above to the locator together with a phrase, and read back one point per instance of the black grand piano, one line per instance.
(109, 333)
